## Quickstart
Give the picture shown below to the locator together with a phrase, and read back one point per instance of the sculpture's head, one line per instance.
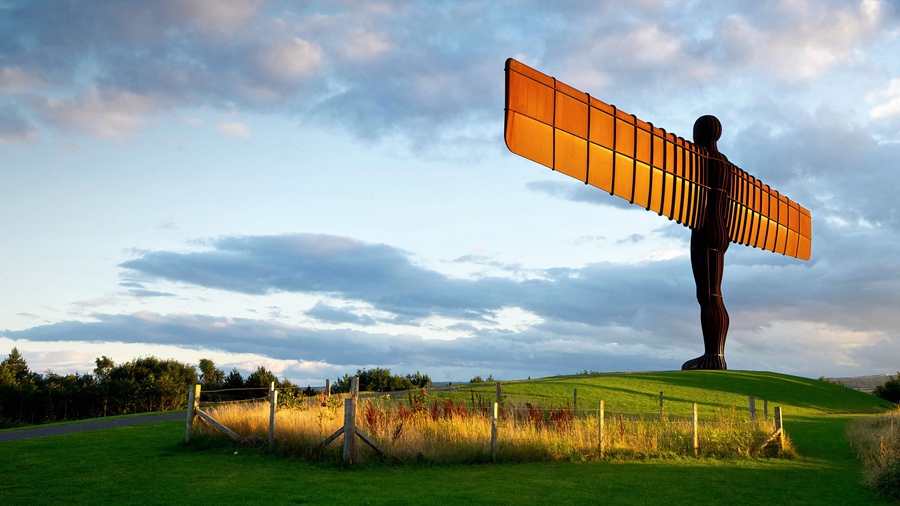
(707, 131)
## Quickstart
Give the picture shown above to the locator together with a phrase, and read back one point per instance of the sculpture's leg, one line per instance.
(707, 264)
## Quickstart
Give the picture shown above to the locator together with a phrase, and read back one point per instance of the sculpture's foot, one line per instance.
(706, 361)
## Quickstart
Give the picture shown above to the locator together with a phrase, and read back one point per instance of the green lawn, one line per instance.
(76, 422)
(149, 465)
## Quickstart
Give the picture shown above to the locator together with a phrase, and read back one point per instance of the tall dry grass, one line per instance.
(447, 432)
(876, 441)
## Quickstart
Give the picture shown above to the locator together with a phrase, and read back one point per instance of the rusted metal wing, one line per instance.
(569, 131)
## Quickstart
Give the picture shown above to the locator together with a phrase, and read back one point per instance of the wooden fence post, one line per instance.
(273, 402)
(327, 389)
(602, 416)
(495, 415)
(695, 431)
(752, 409)
(660, 406)
(779, 428)
(193, 401)
(350, 453)
(574, 400)
(351, 449)
(765, 410)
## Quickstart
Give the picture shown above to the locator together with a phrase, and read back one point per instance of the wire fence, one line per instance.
(479, 430)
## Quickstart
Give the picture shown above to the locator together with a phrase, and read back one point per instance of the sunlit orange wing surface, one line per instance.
(569, 131)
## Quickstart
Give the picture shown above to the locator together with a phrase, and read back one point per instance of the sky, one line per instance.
(320, 187)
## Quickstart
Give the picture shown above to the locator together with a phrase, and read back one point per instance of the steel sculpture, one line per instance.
(693, 184)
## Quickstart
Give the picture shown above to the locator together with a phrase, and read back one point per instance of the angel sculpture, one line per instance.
(572, 132)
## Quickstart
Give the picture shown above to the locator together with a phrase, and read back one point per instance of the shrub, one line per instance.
(876, 441)
(889, 390)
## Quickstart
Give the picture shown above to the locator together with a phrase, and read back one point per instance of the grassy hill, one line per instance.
(712, 390)
(149, 464)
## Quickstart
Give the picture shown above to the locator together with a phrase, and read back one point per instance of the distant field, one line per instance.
(864, 383)
(149, 465)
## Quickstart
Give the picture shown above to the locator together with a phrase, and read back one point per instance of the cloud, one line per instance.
(650, 303)
(235, 130)
(534, 353)
(831, 166)
(149, 293)
(797, 41)
(892, 106)
(13, 126)
(407, 71)
(219, 18)
(430, 74)
(322, 264)
(329, 314)
(291, 59)
(653, 300)
(542, 349)
(15, 79)
(115, 116)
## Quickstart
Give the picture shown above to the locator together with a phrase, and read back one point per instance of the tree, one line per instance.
(104, 367)
(15, 367)
(234, 379)
(260, 378)
(150, 384)
(209, 375)
(479, 379)
(890, 390)
(381, 380)
(419, 380)
(341, 385)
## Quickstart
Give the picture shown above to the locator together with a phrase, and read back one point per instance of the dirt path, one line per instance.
(88, 425)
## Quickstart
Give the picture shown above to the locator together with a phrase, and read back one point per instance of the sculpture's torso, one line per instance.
(714, 233)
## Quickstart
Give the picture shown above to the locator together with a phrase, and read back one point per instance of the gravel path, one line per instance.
(89, 425)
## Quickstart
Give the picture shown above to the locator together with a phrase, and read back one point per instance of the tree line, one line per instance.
(380, 379)
(150, 384)
(138, 386)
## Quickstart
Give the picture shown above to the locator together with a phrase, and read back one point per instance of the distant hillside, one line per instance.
(864, 383)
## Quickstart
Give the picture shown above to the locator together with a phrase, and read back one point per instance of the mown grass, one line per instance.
(75, 422)
(149, 465)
